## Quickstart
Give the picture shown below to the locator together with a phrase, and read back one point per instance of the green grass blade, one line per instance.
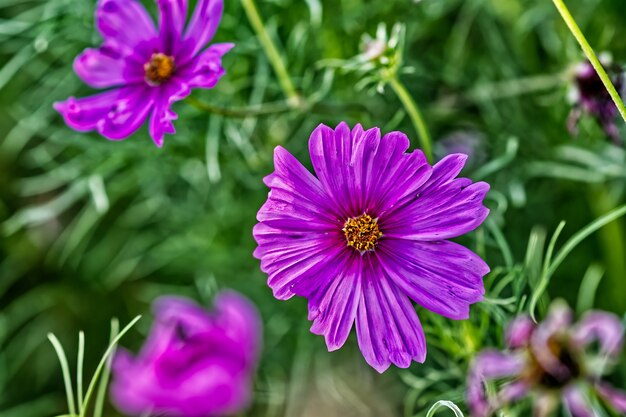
(67, 379)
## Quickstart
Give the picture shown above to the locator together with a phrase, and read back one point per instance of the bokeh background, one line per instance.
(92, 229)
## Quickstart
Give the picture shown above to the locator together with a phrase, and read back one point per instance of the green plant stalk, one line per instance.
(612, 243)
(79, 369)
(272, 52)
(65, 369)
(414, 114)
(104, 381)
(591, 56)
(241, 112)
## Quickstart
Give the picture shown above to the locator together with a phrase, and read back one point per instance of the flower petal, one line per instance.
(334, 306)
(115, 114)
(604, 327)
(519, 332)
(443, 208)
(205, 70)
(487, 366)
(203, 25)
(577, 403)
(557, 321)
(105, 67)
(362, 173)
(443, 277)
(173, 15)
(388, 328)
(125, 24)
(616, 398)
(162, 114)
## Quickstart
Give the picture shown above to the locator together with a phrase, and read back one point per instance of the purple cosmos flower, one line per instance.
(147, 69)
(194, 363)
(550, 361)
(367, 235)
(590, 95)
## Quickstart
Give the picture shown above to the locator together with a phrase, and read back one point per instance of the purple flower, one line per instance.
(367, 235)
(147, 69)
(550, 361)
(590, 95)
(194, 363)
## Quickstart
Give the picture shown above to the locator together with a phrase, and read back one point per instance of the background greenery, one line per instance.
(92, 229)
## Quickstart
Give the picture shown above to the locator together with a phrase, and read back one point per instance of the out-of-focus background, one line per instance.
(92, 229)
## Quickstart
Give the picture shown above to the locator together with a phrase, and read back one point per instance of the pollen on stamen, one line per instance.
(362, 233)
(159, 69)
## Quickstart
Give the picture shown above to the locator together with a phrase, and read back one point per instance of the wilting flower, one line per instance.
(147, 69)
(551, 361)
(367, 235)
(589, 95)
(194, 363)
(470, 143)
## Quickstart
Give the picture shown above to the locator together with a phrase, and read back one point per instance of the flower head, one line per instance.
(591, 96)
(367, 236)
(146, 69)
(550, 361)
(194, 363)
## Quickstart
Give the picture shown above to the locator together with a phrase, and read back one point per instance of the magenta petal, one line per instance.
(115, 114)
(173, 15)
(606, 328)
(162, 115)
(106, 67)
(124, 23)
(336, 305)
(443, 277)
(206, 69)
(519, 332)
(577, 403)
(616, 398)
(557, 322)
(388, 329)
(204, 22)
(487, 366)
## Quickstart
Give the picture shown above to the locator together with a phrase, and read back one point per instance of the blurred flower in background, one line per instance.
(149, 69)
(194, 363)
(589, 95)
(367, 236)
(551, 361)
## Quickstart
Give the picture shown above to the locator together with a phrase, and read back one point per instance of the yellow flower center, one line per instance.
(159, 69)
(362, 233)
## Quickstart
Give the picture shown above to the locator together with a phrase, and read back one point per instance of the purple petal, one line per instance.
(616, 398)
(106, 67)
(557, 322)
(203, 25)
(362, 173)
(519, 332)
(162, 114)
(205, 70)
(443, 208)
(335, 306)
(115, 114)
(173, 15)
(388, 329)
(606, 328)
(487, 366)
(577, 403)
(443, 277)
(125, 24)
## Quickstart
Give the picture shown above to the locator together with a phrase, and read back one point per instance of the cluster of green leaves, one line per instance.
(92, 229)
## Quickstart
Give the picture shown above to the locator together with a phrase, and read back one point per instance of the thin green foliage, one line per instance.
(444, 404)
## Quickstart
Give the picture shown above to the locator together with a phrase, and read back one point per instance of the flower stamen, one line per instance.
(159, 69)
(362, 233)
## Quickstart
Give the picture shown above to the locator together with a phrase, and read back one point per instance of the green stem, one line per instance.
(272, 52)
(414, 114)
(591, 56)
(242, 112)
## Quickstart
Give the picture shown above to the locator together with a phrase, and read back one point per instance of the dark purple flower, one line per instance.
(551, 361)
(367, 235)
(591, 96)
(147, 69)
(194, 363)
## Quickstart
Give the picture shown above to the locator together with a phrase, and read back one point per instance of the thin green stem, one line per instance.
(591, 56)
(79, 369)
(104, 381)
(272, 53)
(414, 114)
(65, 369)
(241, 112)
